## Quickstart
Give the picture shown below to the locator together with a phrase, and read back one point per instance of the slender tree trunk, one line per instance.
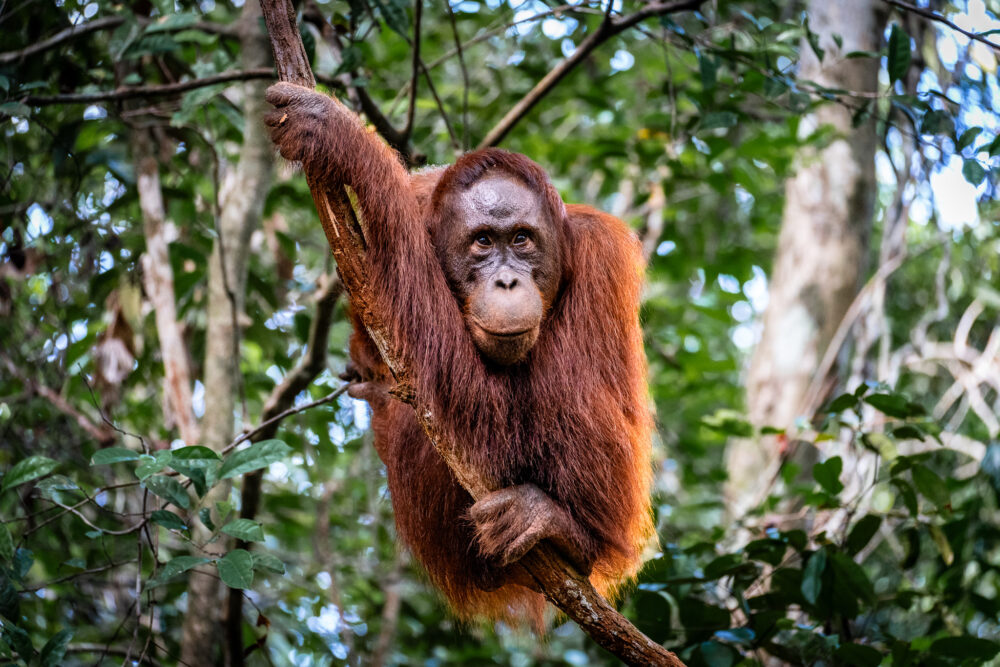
(241, 203)
(822, 246)
(158, 281)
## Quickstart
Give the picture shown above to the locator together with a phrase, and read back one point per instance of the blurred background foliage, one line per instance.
(885, 551)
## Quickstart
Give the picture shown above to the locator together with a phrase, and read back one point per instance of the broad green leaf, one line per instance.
(849, 574)
(170, 489)
(268, 562)
(150, 465)
(53, 487)
(168, 520)
(812, 576)
(931, 486)
(858, 655)
(254, 457)
(827, 474)
(54, 650)
(236, 569)
(174, 567)
(973, 171)
(6, 544)
(27, 470)
(194, 453)
(937, 122)
(244, 529)
(899, 53)
(967, 138)
(862, 533)
(113, 455)
(841, 403)
(966, 647)
(894, 405)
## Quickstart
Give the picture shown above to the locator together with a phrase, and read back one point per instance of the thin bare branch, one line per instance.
(934, 16)
(418, 10)
(608, 28)
(162, 90)
(103, 23)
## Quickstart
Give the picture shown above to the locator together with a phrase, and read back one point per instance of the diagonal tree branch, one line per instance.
(562, 586)
(103, 23)
(934, 16)
(605, 31)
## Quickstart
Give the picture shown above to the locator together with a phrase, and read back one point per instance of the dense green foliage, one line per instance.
(893, 562)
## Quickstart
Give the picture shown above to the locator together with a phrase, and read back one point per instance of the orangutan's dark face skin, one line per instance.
(500, 251)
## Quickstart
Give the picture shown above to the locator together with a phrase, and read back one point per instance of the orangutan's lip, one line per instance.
(497, 334)
(516, 334)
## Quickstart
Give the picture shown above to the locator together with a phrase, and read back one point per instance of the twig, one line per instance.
(465, 75)
(934, 16)
(162, 90)
(554, 578)
(102, 434)
(102, 23)
(418, 10)
(608, 28)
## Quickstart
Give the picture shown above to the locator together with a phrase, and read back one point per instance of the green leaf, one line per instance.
(899, 53)
(907, 495)
(55, 649)
(937, 122)
(841, 403)
(931, 486)
(113, 455)
(169, 489)
(27, 470)
(168, 520)
(967, 138)
(172, 22)
(244, 529)
(707, 67)
(858, 655)
(268, 563)
(812, 576)
(150, 465)
(849, 576)
(174, 567)
(862, 533)
(942, 544)
(718, 119)
(205, 514)
(894, 405)
(236, 569)
(55, 486)
(827, 474)
(973, 171)
(6, 545)
(15, 109)
(194, 453)
(966, 647)
(257, 455)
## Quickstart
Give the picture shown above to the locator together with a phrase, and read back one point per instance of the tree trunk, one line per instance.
(158, 282)
(241, 202)
(822, 246)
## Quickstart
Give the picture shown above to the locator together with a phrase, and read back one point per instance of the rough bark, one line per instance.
(565, 588)
(822, 245)
(158, 282)
(241, 201)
